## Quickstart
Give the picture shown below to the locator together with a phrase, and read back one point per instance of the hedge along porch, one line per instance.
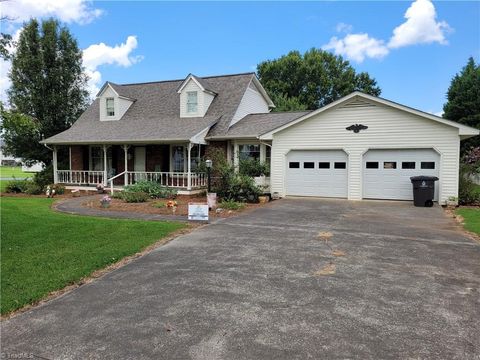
(171, 165)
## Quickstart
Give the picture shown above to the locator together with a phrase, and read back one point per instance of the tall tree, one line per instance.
(463, 100)
(311, 80)
(48, 87)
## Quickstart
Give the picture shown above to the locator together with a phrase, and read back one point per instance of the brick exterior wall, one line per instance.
(77, 157)
(214, 146)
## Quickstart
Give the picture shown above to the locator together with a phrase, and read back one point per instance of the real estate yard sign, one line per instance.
(198, 212)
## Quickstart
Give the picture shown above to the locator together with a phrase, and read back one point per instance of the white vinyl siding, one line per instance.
(388, 128)
(252, 103)
(204, 100)
(120, 105)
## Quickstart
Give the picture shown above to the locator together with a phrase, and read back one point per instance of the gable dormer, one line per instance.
(113, 104)
(195, 97)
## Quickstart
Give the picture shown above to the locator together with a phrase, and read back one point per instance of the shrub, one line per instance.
(59, 189)
(33, 189)
(153, 189)
(134, 196)
(44, 178)
(17, 186)
(231, 205)
(253, 168)
(467, 190)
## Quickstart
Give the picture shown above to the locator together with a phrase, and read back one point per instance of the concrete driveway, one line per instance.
(251, 287)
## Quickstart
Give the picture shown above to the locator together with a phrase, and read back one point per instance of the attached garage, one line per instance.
(386, 173)
(382, 144)
(317, 173)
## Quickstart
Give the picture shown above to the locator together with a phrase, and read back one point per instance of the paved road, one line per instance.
(251, 287)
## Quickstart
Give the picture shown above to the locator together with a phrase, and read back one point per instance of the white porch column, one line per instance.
(55, 165)
(105, 171)
(125, 152)
(236, 157)
(189, 166)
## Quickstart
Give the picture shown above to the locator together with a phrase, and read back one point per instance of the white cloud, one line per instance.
(421, 26)
(5, 67)
(357, 47)
(342, 27)
(101, 54)
(79, 11)
(94, 56)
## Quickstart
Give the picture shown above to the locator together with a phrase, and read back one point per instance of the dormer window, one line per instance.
(110, 105)
(192, 102)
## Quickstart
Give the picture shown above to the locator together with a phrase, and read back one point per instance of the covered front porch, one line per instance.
(174, 165)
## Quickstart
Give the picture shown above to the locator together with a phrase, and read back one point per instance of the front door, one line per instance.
(139, 158)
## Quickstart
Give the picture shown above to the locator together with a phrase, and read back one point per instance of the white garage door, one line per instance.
(317, 173)
(386, 173)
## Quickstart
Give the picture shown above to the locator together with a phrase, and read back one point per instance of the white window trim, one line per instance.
(107, 115)
(189, 103)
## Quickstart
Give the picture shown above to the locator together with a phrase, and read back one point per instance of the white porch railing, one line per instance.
(80, 177)
(168, 179)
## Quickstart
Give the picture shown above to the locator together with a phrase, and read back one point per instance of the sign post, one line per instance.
(197, 212)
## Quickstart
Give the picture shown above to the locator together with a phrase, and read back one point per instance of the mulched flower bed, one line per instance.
(158, 206)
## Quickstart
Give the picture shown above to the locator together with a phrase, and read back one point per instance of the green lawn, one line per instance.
(3, 184)
(13, 171)
(472, 219)
(42, 250)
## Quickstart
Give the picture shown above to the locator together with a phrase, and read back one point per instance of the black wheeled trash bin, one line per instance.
(423, 190)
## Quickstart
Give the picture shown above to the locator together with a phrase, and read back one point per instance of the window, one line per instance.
(324, 165)
(96, 154)
(309, 165)
(268, 154)
(372, 165)
(340, 165)
(249, 151)
(192, 102)
(294, 165)
(427, 165)
(110, 103)
(389, 165)
(408, 165)
(178, 159)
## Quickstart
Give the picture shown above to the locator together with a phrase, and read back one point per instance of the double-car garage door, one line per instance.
(385, 173)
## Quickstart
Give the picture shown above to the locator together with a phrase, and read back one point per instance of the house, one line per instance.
(358, 147)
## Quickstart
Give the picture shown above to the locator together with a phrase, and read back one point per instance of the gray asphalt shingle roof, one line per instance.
(155, 114)
(254, 125)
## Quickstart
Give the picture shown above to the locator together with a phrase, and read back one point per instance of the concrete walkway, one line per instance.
(267, 285)
(74, 206)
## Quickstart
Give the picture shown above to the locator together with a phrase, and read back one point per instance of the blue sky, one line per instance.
(174, 39)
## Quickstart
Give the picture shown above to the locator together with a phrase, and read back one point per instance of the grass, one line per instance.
(43, 251)
(3, 185)
(13, 171)
(231, 205)
(471, 218)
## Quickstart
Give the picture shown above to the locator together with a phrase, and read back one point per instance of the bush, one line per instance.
(153, 189)
(59, 189)
(44, 178)
(33, 189)
(253, 168)
(231, 205)
(134, 196)
(467, 190)
(17, 186)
